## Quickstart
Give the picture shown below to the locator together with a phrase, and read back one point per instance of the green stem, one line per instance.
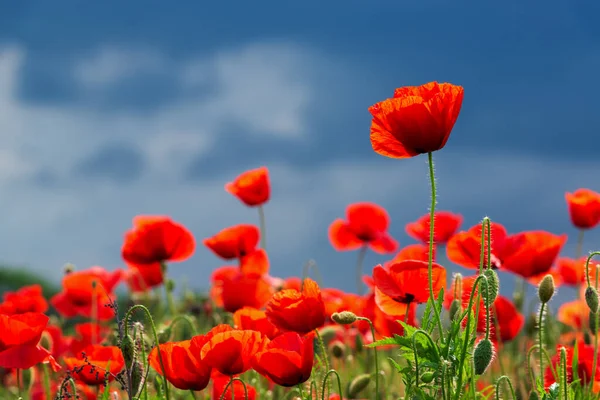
(512, 390)
(377, 393)
(157, 343)
(541, 340)
(301, 391)
(587, 267)
(263, 227)
(414, 345)
(168, 291)
(579, 248)
(46, 378)
(563, 363)
(431, 236)
(530, 370)
(19, 383)
(359, 269)
(595, 362)
(326, 383)
(324, 352)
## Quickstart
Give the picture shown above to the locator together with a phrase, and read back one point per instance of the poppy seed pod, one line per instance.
(454, 309)
(593, 320)
(493, 287)
(482, 356)
(358, 384)
(165, 335)
(546, 289)
(591, 298)
(137, 378)
(344, 317)
(338, 349)
(128, 349)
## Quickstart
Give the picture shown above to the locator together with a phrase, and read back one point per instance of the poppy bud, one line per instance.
(593, 319)
(359, 344)
(358, 384)
(165, 335)
(591, 298)
(68, 268)
(344, 317)
(128, 349)
(137, 378)
(328, 333)
(587, 339)
(170, 285)
(493, 287)
(533, 395)
(454, 309)
(427, 377)
(546, 289)
(337, 349)
(518, 300)
(482, 356)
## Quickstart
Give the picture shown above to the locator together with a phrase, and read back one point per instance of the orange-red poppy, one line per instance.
(574, 314)
(249, 318)
(407, 281)
(412, 252)
(234, 242)
(584, 366)
(255, 263)
(19, 341)
(464, 248)
(584, 208)
(96, 364)
(88, 333)
(26, 299)
(87, 292)
(532, 253)
(238, 290)
(337, 300)
(181, 360)
(417, 120)
(230, 351)
(286, 360)
(220, 382)
(251, 187)
(386, 323)
(157, 239)
(446, 224)
(366, 225)
(301, 312)
(142, 279)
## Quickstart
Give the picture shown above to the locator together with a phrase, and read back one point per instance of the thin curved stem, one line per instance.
(359, 269)
(263, 227)
(326, 383)
(168, 292)
(324, 352)
(587, 267)
(579, 248)
(541, 340)
(563, 364)
(530, 370)
(187, 320)
(157, 343)
(512, 390)
(377, 393)
(431, 237)
(595, 362)
(414, 343)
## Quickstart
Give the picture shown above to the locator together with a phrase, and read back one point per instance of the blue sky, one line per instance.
(118, 109)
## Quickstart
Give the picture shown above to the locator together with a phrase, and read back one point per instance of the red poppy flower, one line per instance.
(407, 281)
(252, 187)
(574, 314)
(55, 341)
(88, 333)
(287, 360)
(412, 252)
(337, 300)
(234, 242)
(84, 289)
(386, 323)
(231, 351)
(157, 239)
(237, 290)
(220, 383)
(249, 318)
(446, 224)
(142, 279)
(417, 120)
(532, 253)
(585, 365)
(366, 225)
(572, 272)
(27, 299)
(255, 263)
(301, 312)
(183, 368)
(19, 341)
(464, 248)
(96, 364)
(584, 208)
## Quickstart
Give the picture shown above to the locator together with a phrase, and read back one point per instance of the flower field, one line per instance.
(410, 331)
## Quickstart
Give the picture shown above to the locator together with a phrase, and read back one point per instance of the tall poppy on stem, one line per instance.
(254, 190)
(155, 240)
(417, 120)
(365, 227)
(584, 210)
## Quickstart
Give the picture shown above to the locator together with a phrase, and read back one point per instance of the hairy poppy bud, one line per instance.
(427, 377)
(170, 285)
(165, 335)
(328, 333)
(546, 289)
(454, 309)
(482, 355)
(493, 287)
(533, 395)
(338, 349)
(591, 298)
(593, 319)
(128, 349)
(344, 317)
(359, 344)
(587, 338)
(358, 384)
(137, 378)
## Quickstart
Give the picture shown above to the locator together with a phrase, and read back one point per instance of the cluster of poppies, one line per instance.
(276, 322)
